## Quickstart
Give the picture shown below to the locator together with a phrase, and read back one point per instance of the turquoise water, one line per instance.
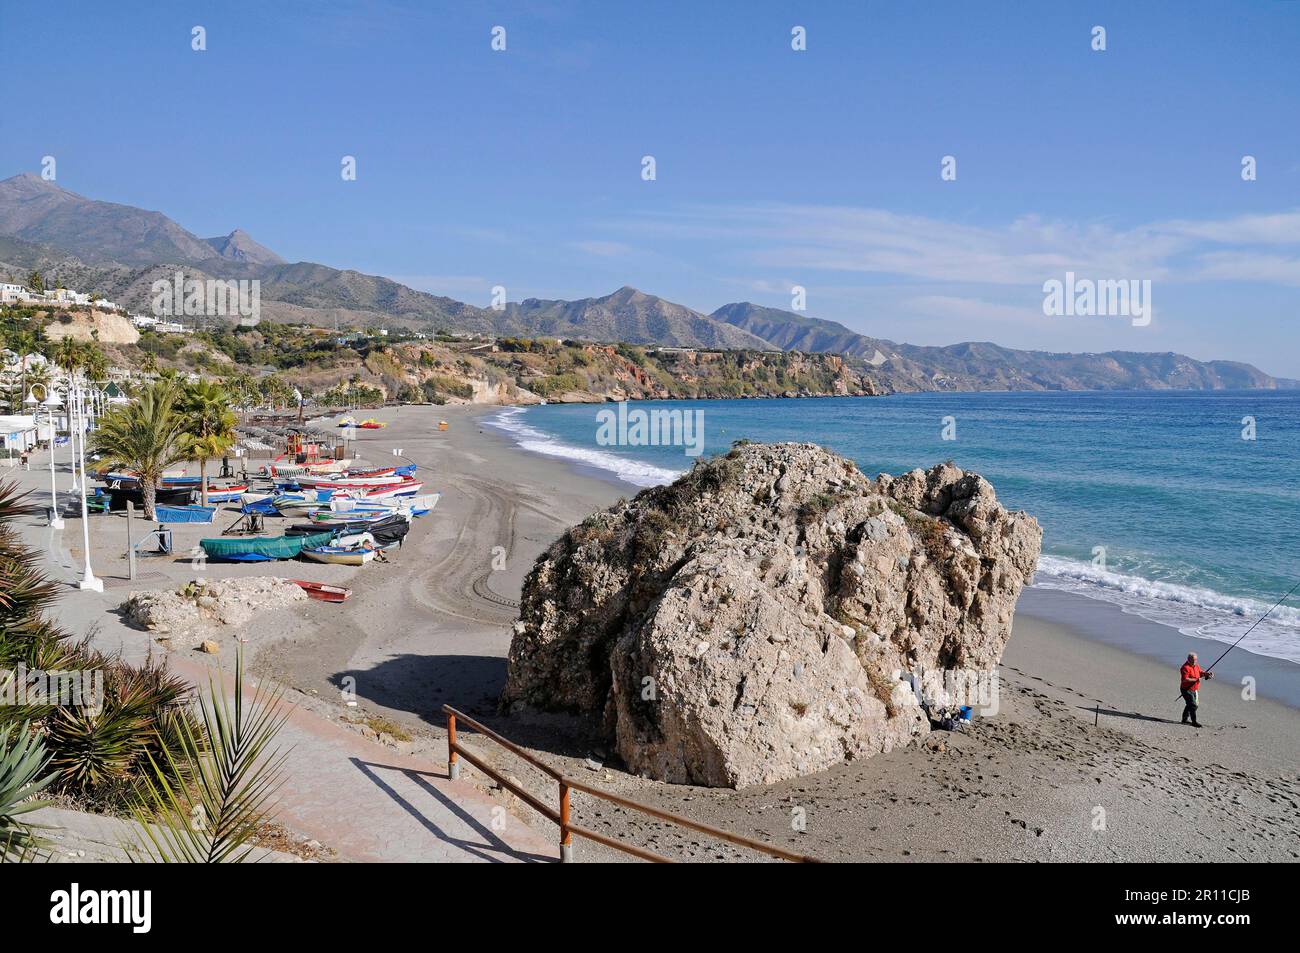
(1200, 527)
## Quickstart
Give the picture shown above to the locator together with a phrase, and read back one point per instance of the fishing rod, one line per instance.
(1253, 624)
(1249, 630)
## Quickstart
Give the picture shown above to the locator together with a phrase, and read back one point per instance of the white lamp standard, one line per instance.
(50, 403)
(78, 410)
(72, 433)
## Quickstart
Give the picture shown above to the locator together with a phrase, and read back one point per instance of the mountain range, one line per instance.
(118, 251)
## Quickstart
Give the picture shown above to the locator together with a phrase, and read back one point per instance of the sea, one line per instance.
(1180, 507)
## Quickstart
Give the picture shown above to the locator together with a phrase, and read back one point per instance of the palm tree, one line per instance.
(145, 436)
(69, 354)
(275, 391)
(96, 365)
(24, 343)
(209, 426)
(243, 390)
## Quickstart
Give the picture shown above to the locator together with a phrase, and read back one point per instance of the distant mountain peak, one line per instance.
(35, 210)
(30, 184)
(240, 246)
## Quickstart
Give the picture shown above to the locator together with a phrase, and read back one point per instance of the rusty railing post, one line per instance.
(566, 835)
(453, 764)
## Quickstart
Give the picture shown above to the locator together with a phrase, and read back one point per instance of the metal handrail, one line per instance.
(562, 816)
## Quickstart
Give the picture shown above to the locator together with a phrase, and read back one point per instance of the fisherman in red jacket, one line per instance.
(1191, 687)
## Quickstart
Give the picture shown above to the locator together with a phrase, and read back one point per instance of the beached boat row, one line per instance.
(349, 537)
(351, 513)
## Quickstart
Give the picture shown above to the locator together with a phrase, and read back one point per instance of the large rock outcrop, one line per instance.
(751, 621)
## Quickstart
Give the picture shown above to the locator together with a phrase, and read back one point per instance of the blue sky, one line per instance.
(775, 168)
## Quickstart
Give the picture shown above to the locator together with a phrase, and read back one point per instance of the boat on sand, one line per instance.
(262, 548)
(341, 555)
(323, 591)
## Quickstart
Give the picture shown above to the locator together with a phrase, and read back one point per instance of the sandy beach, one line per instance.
(1086, 759)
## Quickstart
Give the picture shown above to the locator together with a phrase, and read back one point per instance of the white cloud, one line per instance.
(1282, 228)
(1250, 266)
(1025, 251)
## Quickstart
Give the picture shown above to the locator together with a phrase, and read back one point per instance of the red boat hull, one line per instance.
(326, 593)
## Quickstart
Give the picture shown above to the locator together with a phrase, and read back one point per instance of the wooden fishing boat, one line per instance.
(340, 555)
(323, 591)
(352, 478)
(294, 505)
(227, 494)
(371, 424)
(386, 492)
(262, 548)
(345, 507)
(172, 479)
(119, 496)
(351, 539)
(323, 518)
(420, 504)
(184, 514)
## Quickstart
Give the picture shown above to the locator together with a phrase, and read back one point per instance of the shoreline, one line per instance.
(433, 627)
(1095, 618)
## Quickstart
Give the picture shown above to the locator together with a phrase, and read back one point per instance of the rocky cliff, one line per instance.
(752, 621)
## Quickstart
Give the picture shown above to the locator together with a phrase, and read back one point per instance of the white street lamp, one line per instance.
(51, 401)
(72, 435)
(88, 580)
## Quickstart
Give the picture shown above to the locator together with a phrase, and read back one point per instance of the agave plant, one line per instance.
(26, 636)
(96, 754)
(22, 758)
(233, 778)
(102, 755)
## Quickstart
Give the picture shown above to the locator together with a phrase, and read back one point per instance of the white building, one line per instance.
(17, 362)
(17, 433)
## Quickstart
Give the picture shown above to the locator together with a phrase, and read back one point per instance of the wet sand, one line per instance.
(1085, 760)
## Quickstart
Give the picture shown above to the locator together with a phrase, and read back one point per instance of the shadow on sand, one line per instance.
(487, 846)
(422, 684)
(1136, 716)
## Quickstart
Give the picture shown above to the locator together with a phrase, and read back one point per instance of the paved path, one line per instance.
(361, 798)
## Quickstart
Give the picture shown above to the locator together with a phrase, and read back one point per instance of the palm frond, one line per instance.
(234, 777)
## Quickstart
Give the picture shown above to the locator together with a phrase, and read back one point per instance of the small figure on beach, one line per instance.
(1191, 688)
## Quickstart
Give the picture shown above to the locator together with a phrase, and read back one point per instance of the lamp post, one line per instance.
(50, 403)
(72, 434)
(78, 410)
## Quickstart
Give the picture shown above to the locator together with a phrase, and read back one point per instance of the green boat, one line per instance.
(263, 548)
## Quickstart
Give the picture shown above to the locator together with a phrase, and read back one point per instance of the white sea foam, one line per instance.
(629, 471)
(1194, 611)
